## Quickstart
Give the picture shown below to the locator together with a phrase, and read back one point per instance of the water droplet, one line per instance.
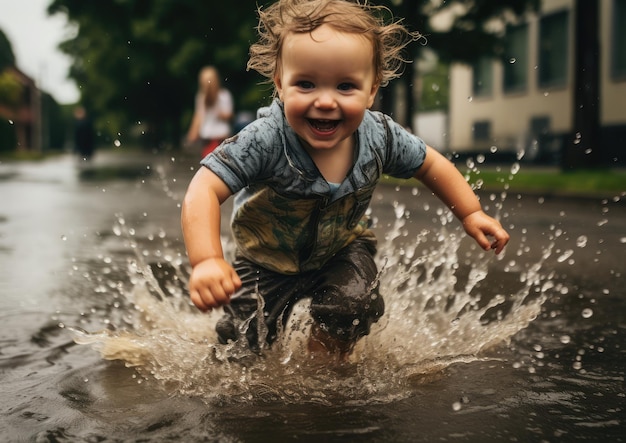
(581, 241)
(567, 254)
(587, 312)
(64, 237)
(117, 143)
(577, 138)
(493, 149)
(480, 158)
(470, 99)
(512, 60)
(565, 339)
(515, 168)
(456, 406)
(399, 210)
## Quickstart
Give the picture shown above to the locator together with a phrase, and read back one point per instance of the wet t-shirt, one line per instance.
(286, 217)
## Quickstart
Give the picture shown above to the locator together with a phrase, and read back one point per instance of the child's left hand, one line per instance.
(479, 225)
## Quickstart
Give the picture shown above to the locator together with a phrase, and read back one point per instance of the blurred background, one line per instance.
(541, 81)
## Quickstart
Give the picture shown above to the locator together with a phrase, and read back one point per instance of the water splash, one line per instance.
(445, 304)
(440, 310)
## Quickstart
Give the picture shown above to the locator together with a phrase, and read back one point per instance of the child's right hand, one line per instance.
(211, 283)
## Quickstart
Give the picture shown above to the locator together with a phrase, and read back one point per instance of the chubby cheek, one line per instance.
(354, 113)
(294, 108)
(293, 118)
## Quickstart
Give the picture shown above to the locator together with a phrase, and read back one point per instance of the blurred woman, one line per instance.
(213, 112)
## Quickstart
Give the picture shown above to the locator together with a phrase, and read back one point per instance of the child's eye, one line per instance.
(304, 84)
(346, 86)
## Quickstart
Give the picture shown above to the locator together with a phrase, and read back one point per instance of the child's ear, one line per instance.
(278, 84)
(372, 97)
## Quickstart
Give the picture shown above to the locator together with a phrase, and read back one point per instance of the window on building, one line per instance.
(553, 49)
(618, 68)
(516, 59)
(482, 79)
(539, 126)
(482, 131)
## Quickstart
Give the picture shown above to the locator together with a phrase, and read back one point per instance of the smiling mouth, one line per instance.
(323, 125)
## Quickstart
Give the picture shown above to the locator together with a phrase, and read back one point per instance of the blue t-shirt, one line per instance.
(286, 217)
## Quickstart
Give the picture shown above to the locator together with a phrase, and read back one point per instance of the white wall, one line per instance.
(510, 114)
(432, 127)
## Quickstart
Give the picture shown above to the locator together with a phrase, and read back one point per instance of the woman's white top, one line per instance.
(211, 125)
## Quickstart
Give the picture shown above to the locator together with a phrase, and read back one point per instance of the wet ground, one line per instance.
(63, 263)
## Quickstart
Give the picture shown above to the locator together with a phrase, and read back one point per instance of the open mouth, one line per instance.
(323, 125)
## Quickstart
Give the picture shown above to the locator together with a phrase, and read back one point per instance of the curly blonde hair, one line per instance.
(304, 16)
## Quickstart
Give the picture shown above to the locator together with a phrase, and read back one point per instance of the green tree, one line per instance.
(10, 88)
(7, 57)
(138, 60)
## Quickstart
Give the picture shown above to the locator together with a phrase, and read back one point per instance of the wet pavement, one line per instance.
(559, 379)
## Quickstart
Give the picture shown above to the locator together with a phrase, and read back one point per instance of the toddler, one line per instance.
(303, 175)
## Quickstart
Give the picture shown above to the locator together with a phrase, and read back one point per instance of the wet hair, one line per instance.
(350, 16)
(209, 85)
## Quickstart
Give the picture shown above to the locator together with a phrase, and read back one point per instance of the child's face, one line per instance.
(326, 81)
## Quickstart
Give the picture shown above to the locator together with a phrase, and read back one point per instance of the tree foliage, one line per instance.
(137, 60)
(462, 30)
(7, 57)
(10, 87)
(11, 90)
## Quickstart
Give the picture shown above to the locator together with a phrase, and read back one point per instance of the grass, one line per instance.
(549, 181)
(581, 182)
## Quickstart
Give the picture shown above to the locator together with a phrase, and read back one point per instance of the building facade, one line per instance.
(524, 102)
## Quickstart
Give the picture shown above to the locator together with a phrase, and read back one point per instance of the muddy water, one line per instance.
(527, 347)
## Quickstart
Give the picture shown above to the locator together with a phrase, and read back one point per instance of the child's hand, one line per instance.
(479, 225)
(211, 284)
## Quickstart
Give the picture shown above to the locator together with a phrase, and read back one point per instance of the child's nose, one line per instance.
(325, 100)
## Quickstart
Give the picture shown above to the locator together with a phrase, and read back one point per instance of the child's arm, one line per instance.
(447, 183)
(212, 279)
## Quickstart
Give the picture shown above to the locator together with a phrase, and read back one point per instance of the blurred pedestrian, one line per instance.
(84, 135)
(213, 111)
